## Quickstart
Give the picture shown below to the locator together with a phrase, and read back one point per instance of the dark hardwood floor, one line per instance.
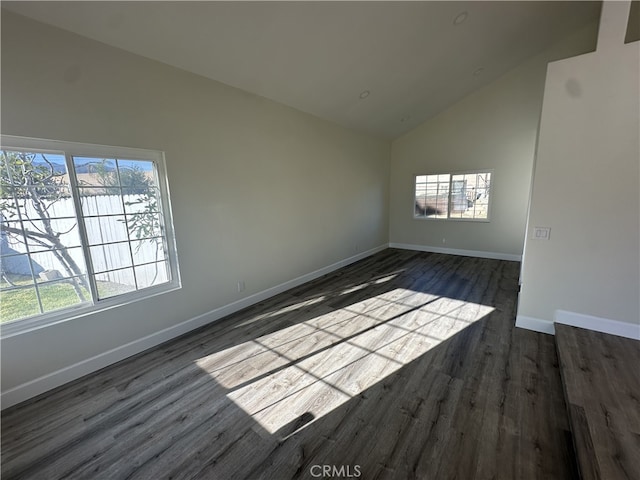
(404, 365)
(601, 376)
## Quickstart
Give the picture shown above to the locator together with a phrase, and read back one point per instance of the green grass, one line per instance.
(18, 304)
(23, 302)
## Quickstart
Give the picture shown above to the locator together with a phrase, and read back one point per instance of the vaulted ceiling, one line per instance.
(377, 67)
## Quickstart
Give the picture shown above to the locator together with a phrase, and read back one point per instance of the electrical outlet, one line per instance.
(241, 286)
(541, 233)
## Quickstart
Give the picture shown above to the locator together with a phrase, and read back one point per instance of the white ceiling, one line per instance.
(319, 56)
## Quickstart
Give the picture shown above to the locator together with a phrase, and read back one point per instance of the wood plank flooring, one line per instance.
(405, 365)
(601, 377)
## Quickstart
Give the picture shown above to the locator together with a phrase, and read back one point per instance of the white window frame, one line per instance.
(449, 218)
(72, 149)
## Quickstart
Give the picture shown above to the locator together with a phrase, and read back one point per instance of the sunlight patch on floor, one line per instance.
(316, 365)
(282, 310)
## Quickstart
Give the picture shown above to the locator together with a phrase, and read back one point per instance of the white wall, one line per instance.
(493, 128)
(586, 188)
(260, 192)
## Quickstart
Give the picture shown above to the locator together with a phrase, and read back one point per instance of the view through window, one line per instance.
(80, 229)
(463, 196)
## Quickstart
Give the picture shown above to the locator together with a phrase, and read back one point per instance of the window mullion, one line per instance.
(449, 197)
(126, 223)
(84, 238)
(160, 206)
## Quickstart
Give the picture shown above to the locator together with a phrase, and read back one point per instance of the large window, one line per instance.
(82, 227)
(459, 196)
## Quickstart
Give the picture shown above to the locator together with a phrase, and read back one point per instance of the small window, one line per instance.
(459, 196)
(83, 227)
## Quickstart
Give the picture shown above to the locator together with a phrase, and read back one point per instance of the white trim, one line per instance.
(77, 149)
(535, 324)
(67, 374)
(456, 251)
(598, 324)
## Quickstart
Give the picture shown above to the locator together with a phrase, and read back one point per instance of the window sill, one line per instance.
(30, 324)
(472, 220)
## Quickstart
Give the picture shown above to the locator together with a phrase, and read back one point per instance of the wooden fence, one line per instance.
(105, 220)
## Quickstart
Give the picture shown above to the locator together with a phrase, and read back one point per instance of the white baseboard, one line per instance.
(456, 251)
(67, 374)
(535, 324)
(598, 324)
